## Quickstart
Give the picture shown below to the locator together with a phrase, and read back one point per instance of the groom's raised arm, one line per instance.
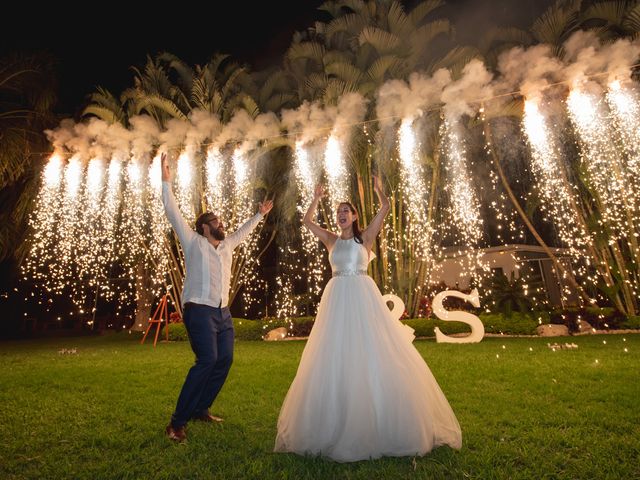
(177, 221)
(236, 238)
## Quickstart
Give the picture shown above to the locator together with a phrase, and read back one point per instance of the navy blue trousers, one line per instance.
(211, 335)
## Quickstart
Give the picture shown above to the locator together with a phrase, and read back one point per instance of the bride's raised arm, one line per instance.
(325, 236)
(371, 232)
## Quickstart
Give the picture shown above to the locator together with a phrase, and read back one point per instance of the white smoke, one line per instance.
(145, 134)
(473, 87)
(309, 122)
(528, 70)
(203, 129)
(397, 100)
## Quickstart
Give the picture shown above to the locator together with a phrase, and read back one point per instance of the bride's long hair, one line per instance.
(357, 234)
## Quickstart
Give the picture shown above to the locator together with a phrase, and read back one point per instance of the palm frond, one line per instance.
(389, 66)
(215, 62)
(306, 51)
(12, 153)
(103, 113)
(422, 10)
(384, 42)
(229, 85)
(184, 71)
(344, 71)
(631, 22)
(455, 59)
(399, 22)
(148, 102)
(316, 81)
(250, 105)
(350, 24)
(331, 7)
(612, 12)
(104, 105)
(358, 6)
(557, 22)
(273, 83)
(420, 40)
(334, 56)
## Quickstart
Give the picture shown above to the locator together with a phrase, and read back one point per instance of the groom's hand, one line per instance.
(265, 207)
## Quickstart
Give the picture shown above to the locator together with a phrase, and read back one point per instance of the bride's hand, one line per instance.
(319, 191)
(166, 172)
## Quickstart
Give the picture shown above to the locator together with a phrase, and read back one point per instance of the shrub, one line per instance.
(256, 329)
(518, 323)
(632, 321)
(600, 318)
(515, 324)
(248, 329)
(177, 332)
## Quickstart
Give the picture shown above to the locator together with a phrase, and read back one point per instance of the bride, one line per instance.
(362, 390)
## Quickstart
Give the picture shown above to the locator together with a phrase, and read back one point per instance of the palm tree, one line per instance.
(27, 96)
(613, 19)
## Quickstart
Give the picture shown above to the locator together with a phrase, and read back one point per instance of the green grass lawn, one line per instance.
(525, 412)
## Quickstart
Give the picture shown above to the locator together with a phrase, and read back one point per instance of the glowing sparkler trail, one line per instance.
(614, 196)
(69, 226)
(466, 207)
(184, 185)
(110, 210)
(157, 258)
(337, 175)
(624, 102)
(604, 166)
(415, 190)
(43, 222)
(556, 191)
(306, 181)
(462, 223)
(131, 226)
(91, 234)
(243, 209)
(214, 184)
(243, 201)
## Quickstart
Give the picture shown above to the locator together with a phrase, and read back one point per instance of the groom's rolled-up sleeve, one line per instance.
(177, 221)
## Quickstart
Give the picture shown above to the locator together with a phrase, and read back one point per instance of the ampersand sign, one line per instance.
(398, 305)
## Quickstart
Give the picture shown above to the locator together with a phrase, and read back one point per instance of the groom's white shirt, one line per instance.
(208, 274)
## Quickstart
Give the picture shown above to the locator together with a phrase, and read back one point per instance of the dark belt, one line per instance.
(191, 304)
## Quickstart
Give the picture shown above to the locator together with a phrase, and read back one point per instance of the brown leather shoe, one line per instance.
(178, 434)
(207, 417)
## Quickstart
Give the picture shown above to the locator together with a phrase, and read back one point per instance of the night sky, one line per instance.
(98, 45)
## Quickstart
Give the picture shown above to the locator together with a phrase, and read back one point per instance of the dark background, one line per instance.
(96, 45)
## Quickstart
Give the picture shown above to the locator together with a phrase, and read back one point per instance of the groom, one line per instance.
(208, 255)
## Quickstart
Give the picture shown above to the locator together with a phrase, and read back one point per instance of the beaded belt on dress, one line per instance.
(345, 273)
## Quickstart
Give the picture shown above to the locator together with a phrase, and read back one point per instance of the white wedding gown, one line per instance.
(362, 390)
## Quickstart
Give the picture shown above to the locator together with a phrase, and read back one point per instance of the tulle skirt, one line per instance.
(362, 390)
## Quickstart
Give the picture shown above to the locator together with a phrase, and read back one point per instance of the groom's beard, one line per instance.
(217, 234)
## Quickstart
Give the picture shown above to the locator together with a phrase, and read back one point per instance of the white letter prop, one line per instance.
(477, 328)
(398, 305)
